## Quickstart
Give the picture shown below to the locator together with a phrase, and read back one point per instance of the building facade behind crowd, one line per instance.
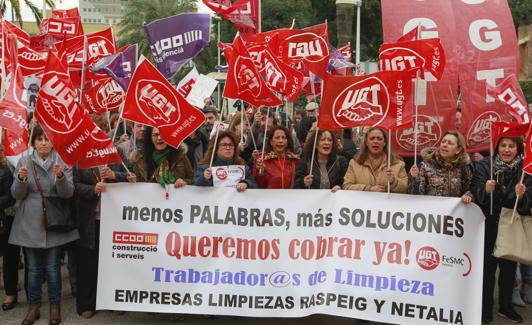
(276, 153)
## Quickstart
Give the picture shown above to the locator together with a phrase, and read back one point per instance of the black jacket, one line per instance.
(504, 194)
(87, 202)
(337, 167)
(6, 179)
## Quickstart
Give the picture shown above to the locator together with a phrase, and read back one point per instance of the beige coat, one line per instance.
(361, 178)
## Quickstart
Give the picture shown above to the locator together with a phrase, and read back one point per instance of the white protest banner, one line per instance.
(291, 253)
(202, 88)
(228, 176)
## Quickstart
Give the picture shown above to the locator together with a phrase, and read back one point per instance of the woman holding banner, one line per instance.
(160, 163)
(328, 167)
(277, 170)
(505, 188)
(371, 170)
(40, 174)
(222, 152)
(88, 186)
(444, 171)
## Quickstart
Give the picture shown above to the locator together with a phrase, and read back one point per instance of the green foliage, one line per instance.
(521, 11)
(16, 6)
(139, 12)
(526, 86)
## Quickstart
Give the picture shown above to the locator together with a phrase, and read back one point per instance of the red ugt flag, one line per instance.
(380, 99)
(14, 144)
(243, 80)
(60, 115)
(527, 164)
(105, 96)
(102, 151)
(509, 92)
(152, 100)
(427, 54)
(502, 129)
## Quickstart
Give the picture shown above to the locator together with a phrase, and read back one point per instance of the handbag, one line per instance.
(514, 237)
(56, 212)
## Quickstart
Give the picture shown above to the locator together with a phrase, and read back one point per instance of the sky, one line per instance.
(65, 4)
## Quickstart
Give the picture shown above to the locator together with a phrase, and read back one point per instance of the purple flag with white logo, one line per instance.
(176, 40)
(111, 64)
(129, 63)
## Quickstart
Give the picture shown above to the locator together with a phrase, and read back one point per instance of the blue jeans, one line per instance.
(526, 273)
(39, 262)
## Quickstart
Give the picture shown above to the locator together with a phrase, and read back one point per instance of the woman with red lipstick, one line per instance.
(278, 169)
(369, 171)
(328, 166)
(444, 171)
(507, 171)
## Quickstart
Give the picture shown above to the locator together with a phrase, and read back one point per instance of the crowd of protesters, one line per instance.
(276, 154)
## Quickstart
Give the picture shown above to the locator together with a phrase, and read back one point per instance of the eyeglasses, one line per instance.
(226, 145)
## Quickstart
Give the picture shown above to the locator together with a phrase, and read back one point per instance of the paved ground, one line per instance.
(70, 316)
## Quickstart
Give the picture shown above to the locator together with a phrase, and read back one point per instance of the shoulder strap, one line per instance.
(35, 177)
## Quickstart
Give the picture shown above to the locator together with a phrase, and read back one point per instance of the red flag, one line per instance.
(379, 99)
(507, 129)
(102, 151)
(43, 43)
(527, 164)
(278, 75)
(427, 54)
(31, 62)
(62, 27)
(13, 116)
(509, 92)
(309, 45)
(65, 13)
(105, 96)
(14, 144)
(244, 81)
(152, 100)
(412, 35)
(244, 14)
(60, 115)
(99, 44)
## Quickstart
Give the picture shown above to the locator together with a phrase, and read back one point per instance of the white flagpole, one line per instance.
(3, 58)
(216, 137)
(43, 9)
(84, 60)
(357, 45)
(241, 121)
(416, 105)
(517, 198)
(265, 137)
(389, 156)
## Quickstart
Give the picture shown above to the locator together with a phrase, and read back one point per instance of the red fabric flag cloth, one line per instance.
(105, 96)
(65, 13)
(62, 27)
(102, 151)
(279, 76)
(412, 35)
(427, 54)
(380, 99)
(243, 14)
(152, 100)
(309, 45)
(60, 115)
(509, 92)
(527, 164)
(14, 144)
(244, 80)
(507, 129)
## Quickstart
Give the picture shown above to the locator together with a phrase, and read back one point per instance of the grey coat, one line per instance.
(28, 229)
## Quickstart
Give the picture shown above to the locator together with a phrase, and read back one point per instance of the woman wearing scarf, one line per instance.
(225, 154)
(369, 171)
(278, 169)
(160, 163)
(444, 171)
(40, 173)
(329, 167)
(507, 171)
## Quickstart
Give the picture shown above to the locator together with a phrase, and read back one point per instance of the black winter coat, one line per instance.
(337, 167)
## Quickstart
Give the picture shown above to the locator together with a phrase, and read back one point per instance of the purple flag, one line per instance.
(177, 39)
(111, 64)
(128, 65)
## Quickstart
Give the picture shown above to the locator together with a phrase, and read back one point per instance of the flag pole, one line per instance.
(491, 165)
(357, 45)
(517, 198)
(241, 121)
(389, 155)
(84, 60)
(31, 135)
(216, 138)
(264, 138)
(43, 9)
(260, 16)
(416, 104)
(3, 56)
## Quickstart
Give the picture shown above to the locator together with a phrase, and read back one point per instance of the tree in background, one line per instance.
(521, 11)
(16, 5)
